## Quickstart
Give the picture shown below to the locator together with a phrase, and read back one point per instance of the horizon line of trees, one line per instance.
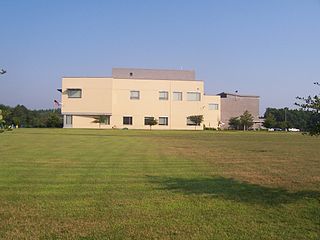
(23, 117)
(285, 118)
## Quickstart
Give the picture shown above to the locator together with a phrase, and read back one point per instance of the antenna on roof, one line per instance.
(236, 91)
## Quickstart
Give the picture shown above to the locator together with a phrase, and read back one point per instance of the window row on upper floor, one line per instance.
(164, 95)
(135, 95)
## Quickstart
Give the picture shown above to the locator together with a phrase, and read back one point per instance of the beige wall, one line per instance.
(150, 105)
(87, 122)
(110, 95)
(96, 95)
(211, 117)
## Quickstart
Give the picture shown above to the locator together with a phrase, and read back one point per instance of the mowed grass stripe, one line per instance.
(113, 184)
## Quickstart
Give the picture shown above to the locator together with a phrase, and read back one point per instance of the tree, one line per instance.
(24, 117)
(2, 121)
(100, 119)
(270, 121)
(246, 120)
(54, 120)
(20, 116)
(234, 123)
(151, 122)
(195, 120)
(311, 104)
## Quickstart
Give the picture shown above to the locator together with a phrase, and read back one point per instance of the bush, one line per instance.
(209, 129)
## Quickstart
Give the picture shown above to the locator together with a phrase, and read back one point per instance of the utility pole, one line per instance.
(285, 117)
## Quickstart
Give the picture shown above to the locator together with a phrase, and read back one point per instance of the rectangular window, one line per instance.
(191, 123)
(163, 95)
(68, 119)
(127, 120)
(177, 96)
(134, 94)
(105, 120)
(193, 96)
(213, 106)
(74, 93)
(163, 121)
(147, 120)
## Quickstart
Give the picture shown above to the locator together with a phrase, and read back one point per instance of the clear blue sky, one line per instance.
(269, 48)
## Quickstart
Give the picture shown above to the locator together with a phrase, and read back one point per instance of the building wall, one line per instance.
(96, 95)
(236, 105)
(149, 104)
(87, 122)
(111, 96)
(212, 118)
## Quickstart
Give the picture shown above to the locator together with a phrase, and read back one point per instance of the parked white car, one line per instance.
(294, 130)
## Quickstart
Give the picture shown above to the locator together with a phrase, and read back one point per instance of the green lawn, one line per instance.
(117, 184)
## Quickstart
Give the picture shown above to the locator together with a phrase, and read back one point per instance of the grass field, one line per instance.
(116, 184)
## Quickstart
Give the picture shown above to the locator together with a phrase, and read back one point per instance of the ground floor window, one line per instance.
(191, 123)
(104, 119)
(163, 121)
(68, 119)
(127, 120)
(147, 120)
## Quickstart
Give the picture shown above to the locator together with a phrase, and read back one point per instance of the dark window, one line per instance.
(127, 120)
(191, 123)
(147, 120)
(104, 119)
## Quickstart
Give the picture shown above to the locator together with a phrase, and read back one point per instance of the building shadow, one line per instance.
(232, 189)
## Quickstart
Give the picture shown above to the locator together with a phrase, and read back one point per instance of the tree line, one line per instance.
(282, 118)
(288, 118)
(23, 117)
